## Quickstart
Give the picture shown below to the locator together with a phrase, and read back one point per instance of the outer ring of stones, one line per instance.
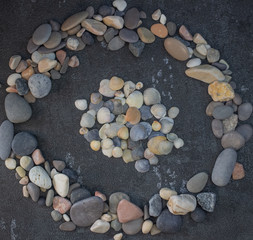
(120, 211)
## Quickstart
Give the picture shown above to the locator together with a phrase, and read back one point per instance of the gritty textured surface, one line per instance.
(227, 25)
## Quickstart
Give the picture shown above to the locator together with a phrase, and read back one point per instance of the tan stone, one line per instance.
(27, 73)
(238, 172)
(61, 55)
(94, 26)
(37, 157)
(221, 91)
(116, 83)
(154, 230)
(205, 73)
(30, 98)
(14, 61)
(46, 64)
(74, 30)
(159, 30)
(199, 39)
(127, 156)
(114, 21)
(133, 115)
(145, 35)
(176, 49)
(74, 20)
(73, 62)
(147, 226)
(184, 33)
(166, 193)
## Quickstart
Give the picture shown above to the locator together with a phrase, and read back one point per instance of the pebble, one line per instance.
(59, 165)
(44, 50)
(85, 212)
(49, 197)
(14, 61)
(233, 140)
(38, 157)
(37, 57)
(114, 200)
(128, 211)
(94, 26)
(100, 226)
(213, 55)
(142, 165)
(55, 74)
(120, 4)
(217, 128)
(163, 19)
(81, 104)
(118, 236)
(230, 123)
(73, 62)
(237, 99)
(207, 201)
(6, 137)
(42, 34)
(116, 225)
(61, 184)
(28, 73)
(105, 89)
(116, 83)
(20, 171)
(34, 191)
(74, 30)
(136, 48)
(87, 38)
(194, 62)
(129, 36)
(105, 10)
(26, 162)
(67, 227)
(145, 113)
(79, 194)
(221, 91)
(133, 115)
(55, 25)
(182, 204)
(71, 174)
(176, 49)
(246, 131)
(147, 226)
(60, 204)
(222, 112)
(61, 55)
(25, 192)
(185, 34)
(10, 163)
(40, 177)
(56, 216)
(198, 215)
(109, 34)
(166, 193)
(72, 188)
(114, 21)
(132, 18)
(145, 35)
(151, 96)
(46, 64)
(205, 73)
(197, 183)
(65, 65)
(169, 223)
(11, 80)
(72, 43)
(92, 135)
(238, 172)
(155, 205)
(172, 27)
(211, 106)
(40, 85)
(224, 167)
(74, 20)
(31, 47)
(66, 217)
(202, 50)
(156, 15)
(135, 99)
(53, 41)
(159, 30)
(116, 43)
(245, 111)
(132, 227)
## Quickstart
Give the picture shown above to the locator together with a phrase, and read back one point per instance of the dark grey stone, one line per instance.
(43, 49)
(136, 49)
(217, 128)
(114, 200)
(155, 205)
(65, 66)
(246, 131)
(132, 18)
(56, 216)
(55, 75)
(24, 143)
(90, 11)
(128, 35)
(220, 66)
(245, 111)
(42, 34)
(67, 227)
(172, 28)
(105, 10)
(145, 113)
(138, 152)
(22, 86)
(132, 227)
(71, 174)
(42, 202)
(96, 107)
(142, 165)
(207, 201)
(87, 38)
(222, 112)
(59, 165)
(55, 25)
(6, 137)
(138, 132)
(116, 141)
(79, 194)
(92, 135)
(31, 47)
(34, 191)
(116, 225)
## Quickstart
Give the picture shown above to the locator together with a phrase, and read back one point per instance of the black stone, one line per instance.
(87, 38)
(22, 86)
(136, 49)
(105, 10)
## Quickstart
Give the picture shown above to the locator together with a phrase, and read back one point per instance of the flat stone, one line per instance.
(40, 177)
(74, 30)
(87, 38)
(94, 26)
(197, 183)
(116, 43)
(31, 46)
(114, 200)
(176, 49)
(36, 56)
(61, 184)
(156, 15)
(42, 34)
(73, 62)
(120, 4)
(53, 41)
(59, 165)
(56, 216)
(246, 131)
(198, 39)
(128, 211)
(132, 18)
(145, 35)
(24, 143)
(114, 21)
(136, 48)
(44, 50)
(105, 10)
(221, 91)
(169, 223)
(109, 34)
(67, 227)
(129, 36)
(222, 112)
(100, 226)
(85, 212)
(194, 62)
(40, 85)
(11, 163)
(238, 172)
(90, 11)
(6, 137)
(60, 204)
(207, 201)
(217, 128)
(172, 28)
(46, 64)
(34, 191)
(213, 55)
(79, 194)
(21, 66)
(233, 140)
(27, 73)
(132, 227)
(185, 34)
(49, 197)
(74, 20)
(211, 106)
(245, 111)
(55, 74)
(205, 73)
(14, 61)
(159, 30)
(224, 167)
(26, 162)
(155, 205)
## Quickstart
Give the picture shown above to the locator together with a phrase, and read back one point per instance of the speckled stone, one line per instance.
(40, 85)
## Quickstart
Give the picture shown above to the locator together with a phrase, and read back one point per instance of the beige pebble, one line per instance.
(80, 32)
(10, 163)
(154, 230)
(11, 80)
(95, 145)
(106, 217)
(156, 126)
(139, 85)
(66, 217)
(156, 15)
(73, 62)
(147, 226)
(20, 171)
(46, 64)
(201, 48)
(14, 61)
(116, 83)
(118, 236)
(198, 39)
(25, 192)
(28, 73)
(117, 152)
(182, 204)
(166, 193)
(24, 180)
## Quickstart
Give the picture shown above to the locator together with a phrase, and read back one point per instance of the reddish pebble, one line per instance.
(11, 90)
(73, 62)
(159, 30)
(37, 157)
(238, 172)
(101, 195)
(185, 34)
(61, 55)
(127, 211)
(61, 204)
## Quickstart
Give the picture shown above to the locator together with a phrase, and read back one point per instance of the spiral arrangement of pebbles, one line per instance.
(56, 185)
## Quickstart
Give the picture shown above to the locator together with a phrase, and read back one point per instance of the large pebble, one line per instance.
(103, 115)
(17, 108)
(114, 21)
(246, 131)
(128, 35)
(245, 111)
(24, 143)
(6, 137)
(159, 30)
(224, 167)
(85, 212)
(233, 140)
(94, 26)
(61, 184)
(100, 226)
(138, 132)
(42, 34)
(197, 183)
(151, 96)
(87, 120)
(182, 204)
(207, 201)
(114, 200)
(222, 112)
(67, 227)
(132, 18)
(116, 43)
(53, 41)
(217, 128)
(176, 49)
(74, 20)
(168, 222)
(40, 85)
(142, 165)
(79, 194)
(132, 227)
(155, 205)
(40, 177)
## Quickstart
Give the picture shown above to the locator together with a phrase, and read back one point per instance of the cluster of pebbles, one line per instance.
(54, 184)
(125, 123)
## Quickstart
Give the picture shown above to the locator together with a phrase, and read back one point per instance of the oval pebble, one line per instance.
(197, 183)
(142, 165)
(217, 128)
(233, 140)
(246, 131)
(245, 111)
(222, 112)
(42, 34)
(194, 62)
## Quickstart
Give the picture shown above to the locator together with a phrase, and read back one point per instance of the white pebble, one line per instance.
(190, 52)
(193, 63)
(66, 217)
(11, 80)
(178, 143)
(120, 4)
(118, 236)
(81, 104)
(163, 19)
(173, 112)
(10, 163)
(156, 15)
(72, 43)
(139, 85)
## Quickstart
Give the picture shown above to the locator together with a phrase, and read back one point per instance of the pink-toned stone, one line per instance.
(238, 172)
(38, 157)
(127, 211)
(185, 34)
(73, 62)
(61, 55)
(11, 90)
(101, 195)
(61, 204)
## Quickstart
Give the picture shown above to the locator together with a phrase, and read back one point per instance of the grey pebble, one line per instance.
(207, 201)
(114, 200)
(145, 113)
(55, 75)
(217, 128)
(49, 197)
(132, 227)
(22, 86)
(198, 215)
(90, 11)
(42, 34)
(59, 165)
(65, 66)
(31, 46)
(142, 165)
(137, 152)
(128, 35)
(34, 191)
(138, 132)
(45, 50)
(245, 111)
(40, 85)
(55, 25)
(79, 194)
(116, 43)
(56, 216)
(105, 10)
(109, 34)
(92, 135)
(87, 38)
(211, 106)
(136, 48)
(172, 28)
(233, 140)
(6, 137)
(116, 225)
(155, 205)
(246, 131)
(67, 226)
(222, 112)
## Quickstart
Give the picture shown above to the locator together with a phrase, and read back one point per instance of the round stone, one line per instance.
(145, 35)
(246, 131)
(217, 128)
(79, 194)
(40, 85)
(10, 163)
(116, 43)
(42, 34)
(56, 216)
(132, 227)
(233, 140)
(222, 112)
(132, 18)
(17, 108)
(142, 165)
(176, 49)
(26, 162)
(114, 200)
(198, 215)
(24, 143)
